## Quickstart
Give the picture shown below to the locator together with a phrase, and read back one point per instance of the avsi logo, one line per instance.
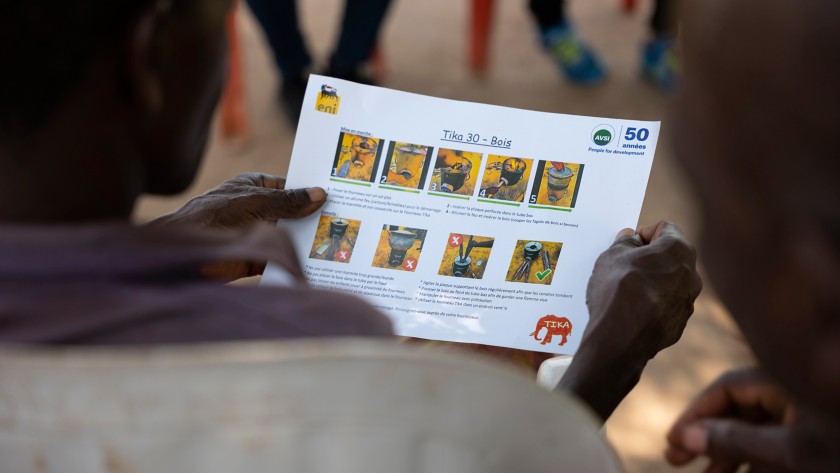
(328, 100)
(602, 135)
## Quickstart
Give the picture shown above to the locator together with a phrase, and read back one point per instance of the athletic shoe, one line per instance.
(572, 55)
(661, 64)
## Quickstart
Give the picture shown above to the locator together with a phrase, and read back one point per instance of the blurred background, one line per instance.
(424, 50)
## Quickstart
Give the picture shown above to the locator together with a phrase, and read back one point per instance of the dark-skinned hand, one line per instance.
(744, 418)
(243, 201)
(640, 296)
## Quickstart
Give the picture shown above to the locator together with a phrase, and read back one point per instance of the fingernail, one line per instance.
(695, 439)
(316, 194)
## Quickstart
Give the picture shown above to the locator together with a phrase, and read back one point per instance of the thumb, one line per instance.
(628, 238)
(293, 203)
(733, 441)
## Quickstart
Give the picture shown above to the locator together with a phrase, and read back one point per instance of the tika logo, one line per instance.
(328, 100)
(554, 326)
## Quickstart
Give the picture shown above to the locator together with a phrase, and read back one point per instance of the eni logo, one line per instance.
(328, 100)
(554, 326)
(602, 135)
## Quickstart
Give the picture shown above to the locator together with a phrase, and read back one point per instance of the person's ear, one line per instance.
(145, 56)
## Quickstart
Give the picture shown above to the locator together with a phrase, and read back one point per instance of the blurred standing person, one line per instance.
(581, 65)
(359, 30)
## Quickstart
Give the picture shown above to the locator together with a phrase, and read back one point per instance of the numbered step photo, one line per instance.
(455, 173)
(466, 256)
(556, 186)
(406, 167)
(335, 239)
(356, 158)
(399, 248)
(505, 178)
(534, 262)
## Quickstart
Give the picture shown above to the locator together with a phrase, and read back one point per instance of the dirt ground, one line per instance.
(424, 45)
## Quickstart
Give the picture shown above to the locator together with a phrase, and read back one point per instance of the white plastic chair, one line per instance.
(337, 406)
(552, 370)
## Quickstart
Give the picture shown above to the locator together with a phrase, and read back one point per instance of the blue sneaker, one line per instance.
(661, 64)
(573, 56)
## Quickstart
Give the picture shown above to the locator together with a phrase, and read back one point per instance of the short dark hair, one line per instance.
(44, 46)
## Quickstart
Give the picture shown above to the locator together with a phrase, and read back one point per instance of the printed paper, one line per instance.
(463, 222)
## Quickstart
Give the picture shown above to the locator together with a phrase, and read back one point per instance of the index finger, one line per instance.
(272, 182)
(735, 392)
(266, 181)
(711, 402)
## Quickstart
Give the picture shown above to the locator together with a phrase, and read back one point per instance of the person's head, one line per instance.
(757, 124)
(124, 90)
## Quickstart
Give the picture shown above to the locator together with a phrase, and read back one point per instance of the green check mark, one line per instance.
(543, 274)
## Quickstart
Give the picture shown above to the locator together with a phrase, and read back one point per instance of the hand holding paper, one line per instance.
(640, 296)
(241, 202)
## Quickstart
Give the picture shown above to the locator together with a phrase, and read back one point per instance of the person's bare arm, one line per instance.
(640, 296)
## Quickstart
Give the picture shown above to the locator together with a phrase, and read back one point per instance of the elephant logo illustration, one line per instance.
(554, 326)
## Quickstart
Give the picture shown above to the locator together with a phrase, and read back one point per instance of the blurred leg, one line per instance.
(664, 19)
(548, 13)
(359, 32)
(660, 62)
(574, 58)
(279, 20)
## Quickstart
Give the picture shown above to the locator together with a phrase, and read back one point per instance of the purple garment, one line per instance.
(117, 284)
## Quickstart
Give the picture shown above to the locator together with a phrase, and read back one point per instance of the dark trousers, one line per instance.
(359, 31)
(549, 13)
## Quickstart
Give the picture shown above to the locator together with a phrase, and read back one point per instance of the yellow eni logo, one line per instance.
(328, 100)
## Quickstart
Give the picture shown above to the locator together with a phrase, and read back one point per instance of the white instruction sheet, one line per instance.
(463, 222)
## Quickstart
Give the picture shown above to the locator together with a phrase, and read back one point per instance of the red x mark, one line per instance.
(409, 264)
(343, 255)
(455, 239)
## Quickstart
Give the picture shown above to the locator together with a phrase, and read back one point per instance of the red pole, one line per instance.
(482, 14)
(234, 116)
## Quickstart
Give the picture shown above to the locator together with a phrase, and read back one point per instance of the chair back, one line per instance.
(338, 406)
